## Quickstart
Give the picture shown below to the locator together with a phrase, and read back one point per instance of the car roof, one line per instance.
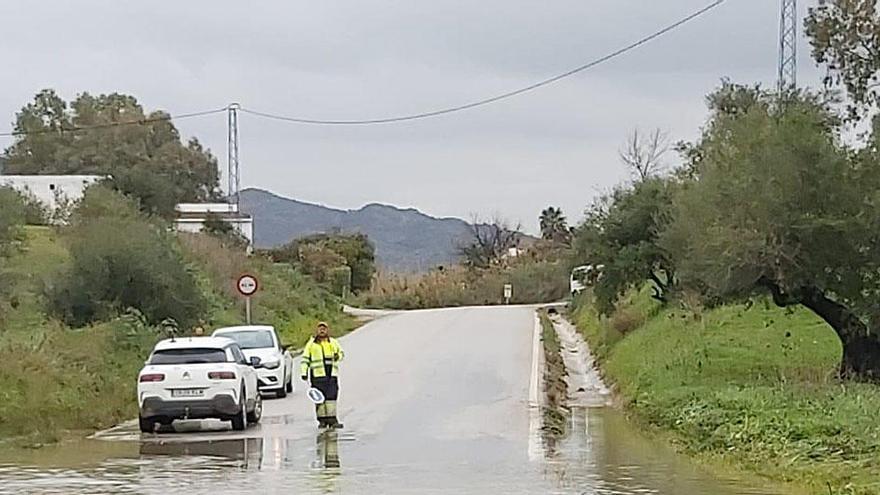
(244, 328)
(194, 342)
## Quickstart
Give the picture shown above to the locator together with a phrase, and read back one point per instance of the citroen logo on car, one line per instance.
(186, 375)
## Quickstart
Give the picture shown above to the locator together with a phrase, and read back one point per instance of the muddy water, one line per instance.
(409, 429)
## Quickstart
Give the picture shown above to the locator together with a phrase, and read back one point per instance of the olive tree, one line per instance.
(845, 36)
(777, 205)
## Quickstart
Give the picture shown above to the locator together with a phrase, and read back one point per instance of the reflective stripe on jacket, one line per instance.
(317, 355)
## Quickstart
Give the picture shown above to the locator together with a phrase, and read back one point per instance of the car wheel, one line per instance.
(239, 421)
(255, 415)
(282, 392)
(146, 425)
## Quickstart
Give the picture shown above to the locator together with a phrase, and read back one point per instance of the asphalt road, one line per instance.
(433, 402)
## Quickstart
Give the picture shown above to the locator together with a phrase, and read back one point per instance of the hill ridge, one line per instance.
(406, 239)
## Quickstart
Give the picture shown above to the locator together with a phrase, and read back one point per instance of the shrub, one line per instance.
(12, 217)
(35, 212)
(120, 260)
(625, 321)
(322, 256)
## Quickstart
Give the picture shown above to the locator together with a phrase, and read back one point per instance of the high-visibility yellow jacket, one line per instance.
(317, 355)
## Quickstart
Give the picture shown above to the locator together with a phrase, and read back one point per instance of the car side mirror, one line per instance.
(256, 362)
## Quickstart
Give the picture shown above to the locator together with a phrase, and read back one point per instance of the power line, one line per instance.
(164, 118)
(403, 118)
(503, 96)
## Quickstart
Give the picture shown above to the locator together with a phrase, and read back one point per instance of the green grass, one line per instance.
(754, 387)
(55, 379)
(555, 414)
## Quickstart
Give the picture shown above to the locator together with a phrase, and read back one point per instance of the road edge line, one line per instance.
(536, 444)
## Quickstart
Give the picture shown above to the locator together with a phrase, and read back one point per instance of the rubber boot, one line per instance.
(323, 416)
(330, 410)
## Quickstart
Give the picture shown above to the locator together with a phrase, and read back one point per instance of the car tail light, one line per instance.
(152, 377)
(221, 375)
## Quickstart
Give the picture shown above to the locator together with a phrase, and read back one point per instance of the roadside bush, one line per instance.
(12, 218)
(121, 260)
(625, 321)
(322, 256)
(532, 281)
(35, 212)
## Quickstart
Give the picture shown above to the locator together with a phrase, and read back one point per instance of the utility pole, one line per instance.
(788, 37)
(234, 170)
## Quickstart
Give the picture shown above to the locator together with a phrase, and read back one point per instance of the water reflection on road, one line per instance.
(602, 454)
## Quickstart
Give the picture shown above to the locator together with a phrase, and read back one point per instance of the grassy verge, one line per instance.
(751, 387)
(555, 413)
(55, 379)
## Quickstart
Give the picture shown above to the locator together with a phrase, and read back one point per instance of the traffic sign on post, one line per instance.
(247, 286)
(508, 293)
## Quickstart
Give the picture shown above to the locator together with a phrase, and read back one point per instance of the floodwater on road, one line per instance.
(455, 419)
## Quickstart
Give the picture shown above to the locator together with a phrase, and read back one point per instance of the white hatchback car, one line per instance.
(198, 378)
(261, 341)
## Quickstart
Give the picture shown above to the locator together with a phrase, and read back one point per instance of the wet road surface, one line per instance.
(433, 402)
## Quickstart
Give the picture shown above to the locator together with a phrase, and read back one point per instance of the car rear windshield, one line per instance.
(188, 356)
(251, 339)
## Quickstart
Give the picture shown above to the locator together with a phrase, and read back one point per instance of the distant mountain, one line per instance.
(405, 239)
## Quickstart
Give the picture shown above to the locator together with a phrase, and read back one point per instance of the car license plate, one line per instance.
(187, 392)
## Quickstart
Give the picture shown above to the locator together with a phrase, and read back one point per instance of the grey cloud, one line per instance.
(368, 58)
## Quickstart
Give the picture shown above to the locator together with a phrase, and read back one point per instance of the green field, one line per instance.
(55, 379)
(748, 387)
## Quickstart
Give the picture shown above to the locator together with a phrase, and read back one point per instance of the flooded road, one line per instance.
(433, 402)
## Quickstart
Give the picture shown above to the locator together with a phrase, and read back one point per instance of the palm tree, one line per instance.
(554, 226)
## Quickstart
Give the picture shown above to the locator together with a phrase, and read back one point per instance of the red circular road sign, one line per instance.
(247, 285)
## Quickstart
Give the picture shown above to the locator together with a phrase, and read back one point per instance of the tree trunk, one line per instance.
(861, 346)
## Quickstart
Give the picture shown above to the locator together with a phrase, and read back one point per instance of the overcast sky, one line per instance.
(372, 58)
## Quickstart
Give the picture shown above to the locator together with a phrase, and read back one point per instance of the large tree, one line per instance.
(145, 157)
(845, 35)
(620, 233)
(779, 206)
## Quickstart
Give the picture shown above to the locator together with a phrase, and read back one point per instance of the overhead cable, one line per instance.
(493, 99)
(106, 125)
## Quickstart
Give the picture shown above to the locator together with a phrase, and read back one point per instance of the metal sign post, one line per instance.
(247, 286)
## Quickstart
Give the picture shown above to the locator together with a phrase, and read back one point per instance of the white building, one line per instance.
(51, 189)
(191, 217)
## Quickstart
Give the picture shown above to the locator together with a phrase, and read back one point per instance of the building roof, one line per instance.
(45, 178)
(219, 208)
